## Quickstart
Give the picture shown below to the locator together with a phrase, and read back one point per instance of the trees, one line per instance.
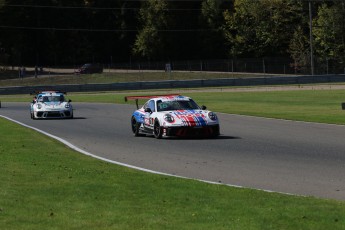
(329, 32)
(66, 32)
(212, 40)
(70, 32)
(150, 42)
(299, 50)
(36, 33)
(261, 28)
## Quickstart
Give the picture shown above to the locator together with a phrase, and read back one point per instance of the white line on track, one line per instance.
(70, 145)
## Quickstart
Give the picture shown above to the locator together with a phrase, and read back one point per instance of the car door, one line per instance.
(149, 115)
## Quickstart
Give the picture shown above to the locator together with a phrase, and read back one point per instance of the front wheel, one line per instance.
(157, 130)
(32, 116)
(135, 126)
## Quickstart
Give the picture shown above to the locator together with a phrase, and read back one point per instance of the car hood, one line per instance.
(54, 104)
(189, 117)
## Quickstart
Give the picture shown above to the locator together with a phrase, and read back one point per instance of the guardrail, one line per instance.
(281, 80)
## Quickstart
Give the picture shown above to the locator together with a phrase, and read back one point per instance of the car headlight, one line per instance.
(212, 116)
(39, 106)
(67, 106)
(168, 118)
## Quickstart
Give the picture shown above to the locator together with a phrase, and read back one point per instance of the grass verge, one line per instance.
(322, 106)
(114, 77)
(45, 185)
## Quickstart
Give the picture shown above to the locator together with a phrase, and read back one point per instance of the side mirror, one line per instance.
(148, 110)
(69, 100)
(203, 107)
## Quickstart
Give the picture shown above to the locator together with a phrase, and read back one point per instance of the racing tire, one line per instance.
(135, 127)
(157, 130)
(216, 132)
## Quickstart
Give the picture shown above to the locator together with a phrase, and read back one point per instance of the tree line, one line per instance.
(70, 32)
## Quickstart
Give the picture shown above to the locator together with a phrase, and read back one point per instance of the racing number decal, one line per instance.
(148, 121)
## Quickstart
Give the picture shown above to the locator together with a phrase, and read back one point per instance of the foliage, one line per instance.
(150, 42)
(71, 32)
(212, 39)
(329, 33)
(64, 32)
(261, 28)
(299, 50)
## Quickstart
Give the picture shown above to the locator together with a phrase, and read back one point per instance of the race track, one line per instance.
(277, 155)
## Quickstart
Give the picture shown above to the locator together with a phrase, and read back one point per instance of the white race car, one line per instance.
(173, 115)
(50, 104)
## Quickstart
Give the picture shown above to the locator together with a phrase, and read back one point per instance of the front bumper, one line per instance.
(194, 131)
(53, 114)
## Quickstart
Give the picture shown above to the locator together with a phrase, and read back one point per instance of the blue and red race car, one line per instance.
(173, 115)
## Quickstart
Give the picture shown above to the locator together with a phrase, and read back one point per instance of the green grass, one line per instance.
(53, 187)
(322, 106)
(45, 185)
(115, 77)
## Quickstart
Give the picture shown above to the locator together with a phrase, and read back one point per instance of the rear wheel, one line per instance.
(157, 130)
(135, 126)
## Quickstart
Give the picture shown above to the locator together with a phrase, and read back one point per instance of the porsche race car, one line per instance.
(50, 104)
(173, 115)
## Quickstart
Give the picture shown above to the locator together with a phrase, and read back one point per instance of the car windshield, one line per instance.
(176, 105)
(86, 65)
(59, 98)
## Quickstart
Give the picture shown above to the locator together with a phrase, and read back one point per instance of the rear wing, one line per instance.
(137, 98)
(47, 91)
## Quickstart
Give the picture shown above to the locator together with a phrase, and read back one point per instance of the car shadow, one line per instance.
(78, 118)
(221, 137)
(61, 119)
(224, 137)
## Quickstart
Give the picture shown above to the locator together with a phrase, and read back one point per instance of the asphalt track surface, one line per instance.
(276, 155)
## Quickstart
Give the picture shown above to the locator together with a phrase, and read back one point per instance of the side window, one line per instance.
(152, 105)
(146, 105)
